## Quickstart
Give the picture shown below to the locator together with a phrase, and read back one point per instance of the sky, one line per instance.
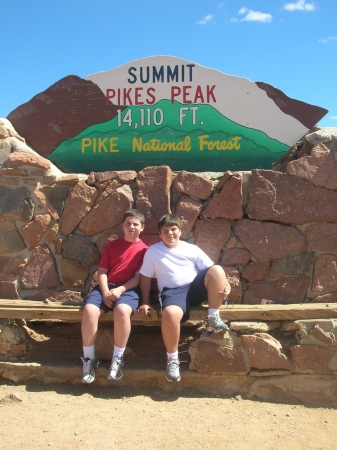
(291, 45)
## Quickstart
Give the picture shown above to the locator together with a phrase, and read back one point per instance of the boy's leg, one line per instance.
(170, 327)
(89, 326)
(213, 285)
(217, 286)
(124, 307)
(174, 306)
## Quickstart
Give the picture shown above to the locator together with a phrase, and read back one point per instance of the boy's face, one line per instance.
(170, 236)
(132, 229)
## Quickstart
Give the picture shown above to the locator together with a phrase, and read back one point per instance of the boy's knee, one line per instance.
(216, 271)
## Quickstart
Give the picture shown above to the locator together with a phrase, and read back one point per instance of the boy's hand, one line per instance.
(143, 310)
(223, 294)
(112, 296)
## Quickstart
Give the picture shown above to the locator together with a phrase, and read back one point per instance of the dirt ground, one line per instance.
(63, 416)
(39, 416)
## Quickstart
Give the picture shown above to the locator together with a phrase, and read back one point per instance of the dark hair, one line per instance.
(134, 213)
(169, 220)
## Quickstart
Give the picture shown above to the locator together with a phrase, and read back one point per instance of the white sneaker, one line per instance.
(116, 369)
(89, 366)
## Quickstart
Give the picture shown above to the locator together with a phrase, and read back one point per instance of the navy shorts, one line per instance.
(189, 295)
(130, 297)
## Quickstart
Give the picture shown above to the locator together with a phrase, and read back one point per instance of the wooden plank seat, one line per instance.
(72, 312)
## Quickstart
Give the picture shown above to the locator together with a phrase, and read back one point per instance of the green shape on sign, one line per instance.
(190, 137)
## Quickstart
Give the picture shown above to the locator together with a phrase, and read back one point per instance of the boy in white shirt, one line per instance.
(186, 277)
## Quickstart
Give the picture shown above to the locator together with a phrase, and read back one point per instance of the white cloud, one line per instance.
(300, 5)
(206, 19)
(255, 16)
(221, 5)
(328, 39)
(333, 117)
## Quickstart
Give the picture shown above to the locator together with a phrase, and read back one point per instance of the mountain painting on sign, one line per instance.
(163, 110)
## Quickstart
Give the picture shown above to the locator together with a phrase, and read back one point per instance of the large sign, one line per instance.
(163, 110)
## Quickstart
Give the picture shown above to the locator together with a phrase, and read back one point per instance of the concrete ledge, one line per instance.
(315, 390)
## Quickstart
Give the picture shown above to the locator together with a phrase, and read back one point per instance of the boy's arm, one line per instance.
(145, 286)
(102, 276)
(114, 294)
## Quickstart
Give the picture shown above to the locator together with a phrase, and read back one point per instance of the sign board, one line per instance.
(163, 110)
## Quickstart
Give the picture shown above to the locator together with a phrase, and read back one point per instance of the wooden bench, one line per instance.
(72, 312)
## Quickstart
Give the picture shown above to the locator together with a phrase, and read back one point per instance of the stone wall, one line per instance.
(273, 231)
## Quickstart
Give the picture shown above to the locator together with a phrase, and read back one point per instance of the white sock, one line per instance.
(89, 352)
(213, 312)
(118, 351)
(171, 356)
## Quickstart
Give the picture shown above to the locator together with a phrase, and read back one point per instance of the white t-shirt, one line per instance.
(176, 266)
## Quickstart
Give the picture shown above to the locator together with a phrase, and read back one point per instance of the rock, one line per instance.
(8, 172)
(58, 296)
(14, 397)
(228, 203)
(81, 250)
(10, 239)
(108, 236)
(56, 196)
(81, 200)
(8, 290)
(188, 210)
(283, 291)
(71, 180)
(211, 358)
(225, 177)
(10, 267)
(16, 204)
(150, 239)
(235, 257)
(46, 203)
(73, 274)
(327, 298)
(58, 246)
(322, 237)
(321, 335)
(319, 168)
(109, 213)
(19, 159)
(211, 236)
(265, 352)
(292, 265)
(266, 240)
(312, 357)
(11, 336)
(194, 185)
(153, 196)
(255, 327)
(233, 277)
(256, 271)
(106, 189)
(3, 132)
(53, 233)
(34, 231)
(105, 344)
(269, 199)
(41, 270)
(322, 135)
(325, 273)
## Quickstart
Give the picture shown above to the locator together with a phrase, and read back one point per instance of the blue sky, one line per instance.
(291, 45)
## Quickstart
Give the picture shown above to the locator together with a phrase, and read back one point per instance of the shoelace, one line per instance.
(86, 365)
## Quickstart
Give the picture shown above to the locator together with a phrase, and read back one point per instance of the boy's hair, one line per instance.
(169, 220)
(134, 213)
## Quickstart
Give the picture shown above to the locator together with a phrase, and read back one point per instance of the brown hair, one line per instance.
(169, 220)
(134, 213)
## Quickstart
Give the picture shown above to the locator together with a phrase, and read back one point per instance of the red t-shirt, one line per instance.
(122, 259)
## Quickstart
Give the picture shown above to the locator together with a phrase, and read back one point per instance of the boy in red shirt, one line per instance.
(117, 290)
